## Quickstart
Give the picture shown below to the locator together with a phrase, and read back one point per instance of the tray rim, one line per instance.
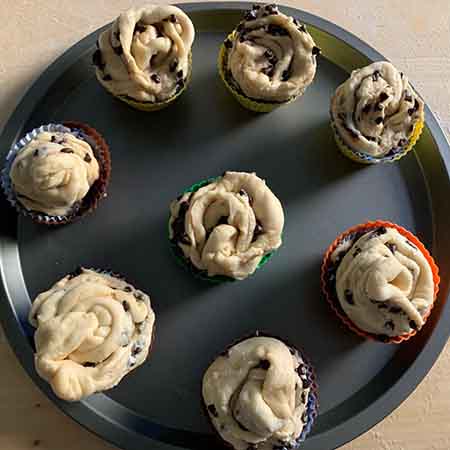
(86, 414)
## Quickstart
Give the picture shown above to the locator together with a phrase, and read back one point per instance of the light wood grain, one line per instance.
(415, 35)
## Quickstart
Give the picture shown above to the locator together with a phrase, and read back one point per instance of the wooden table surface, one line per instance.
(414, 35)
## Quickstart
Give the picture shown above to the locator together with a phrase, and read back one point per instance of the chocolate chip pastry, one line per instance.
(227, 226)
(260, 394)
(92, 329)
(382, 281)
(376, 110)
(270, 57)
(145, 55)
(54, 172)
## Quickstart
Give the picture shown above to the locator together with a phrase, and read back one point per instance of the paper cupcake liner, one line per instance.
(149, 106)
(95, 193)
(312, 406)
(333, 301)
(246, 102)
(364, 158)
(187, 264)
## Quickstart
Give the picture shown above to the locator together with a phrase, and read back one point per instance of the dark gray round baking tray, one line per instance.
(155, 156)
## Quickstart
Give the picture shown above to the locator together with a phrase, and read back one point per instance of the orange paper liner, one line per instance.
(333, 300)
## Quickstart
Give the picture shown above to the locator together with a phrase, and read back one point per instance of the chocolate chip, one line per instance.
(411, 111)
(285, 75)
(383, 96)
(156, 78)
(212, 409)
(136, 350)
(303, 398)
(228, 44)
(316, 50)
(118, 50)
(392, 247)
(173, 18)
(378, 107)
(401, 74)
(302, 28)
(107, 77)
(139, 27)
(258, 231)
(402, 142)
(128, 289)
(225, 353)
(125, 305)
(36, 153)
(271, 7)
(185, 239)
(180, 74)
(276, 30)
(53, 138)
(408, 97)
(292, 351)
(366, 108)
(371, 138)
(250, 15)
(379, 120)
(138, 296)
(89, 364)
(390, 325)
(379, 231)
(306, 383)
(243, 193)
(395, 310)
(413, 325)
(66, 150)
(180, 85)
(411, 128)
(376, 75)
(269, 71)
(263, 364)
(356, 252)
(97, 59)
(174, 64)
(305, 417)
(269, 54)
(351, 132)
(349, 296)
(87, 158)
(411, 244)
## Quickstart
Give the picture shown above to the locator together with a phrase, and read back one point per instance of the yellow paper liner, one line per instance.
(361, 158)
(150, 106)
(333, 301)
(246, 102)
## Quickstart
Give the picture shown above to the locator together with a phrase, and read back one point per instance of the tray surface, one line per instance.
(155, 156)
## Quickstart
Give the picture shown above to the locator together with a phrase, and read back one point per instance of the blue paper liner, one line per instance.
(6, 183)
